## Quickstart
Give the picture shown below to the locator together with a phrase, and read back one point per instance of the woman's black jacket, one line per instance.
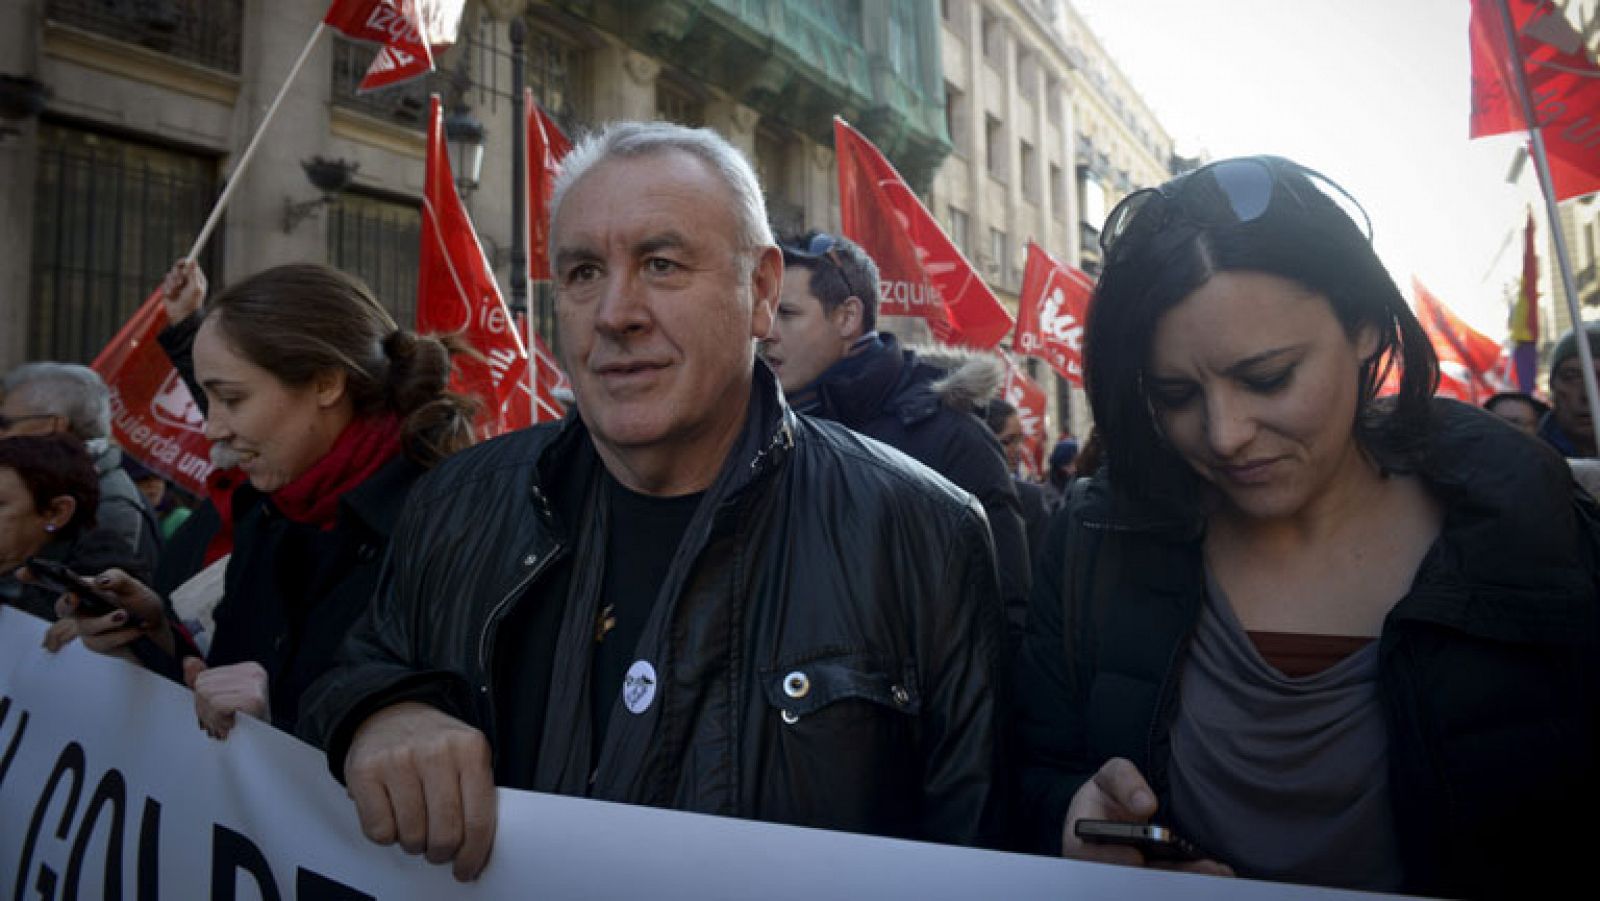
(1489, 668)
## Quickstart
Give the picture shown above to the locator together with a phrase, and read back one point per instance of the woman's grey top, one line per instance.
(1282, 778)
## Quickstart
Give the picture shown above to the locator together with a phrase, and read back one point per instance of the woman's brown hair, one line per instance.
(303, 319)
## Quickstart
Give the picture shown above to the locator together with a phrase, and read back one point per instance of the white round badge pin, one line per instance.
(639, 686)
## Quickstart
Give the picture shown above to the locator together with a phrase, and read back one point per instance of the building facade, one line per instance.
(1005, 115)
(147, 104)
(1047, 135)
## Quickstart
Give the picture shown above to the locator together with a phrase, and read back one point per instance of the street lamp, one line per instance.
(510, 12)
(465, 134)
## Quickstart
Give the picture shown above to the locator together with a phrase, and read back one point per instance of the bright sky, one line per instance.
(1372, 93)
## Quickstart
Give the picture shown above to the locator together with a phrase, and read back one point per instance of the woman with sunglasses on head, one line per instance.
(1325, 637)
(326, 414)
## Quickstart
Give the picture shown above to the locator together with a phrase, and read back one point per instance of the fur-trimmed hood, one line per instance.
(971, 378)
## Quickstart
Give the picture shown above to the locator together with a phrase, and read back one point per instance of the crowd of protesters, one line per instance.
(776, 565)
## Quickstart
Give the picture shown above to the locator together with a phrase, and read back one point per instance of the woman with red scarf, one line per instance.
(324, 414)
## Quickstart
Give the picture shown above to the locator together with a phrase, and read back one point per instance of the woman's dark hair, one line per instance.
(301, 320)
(1302, 236)
(53, 466)
(1538, 406)
(996, 413)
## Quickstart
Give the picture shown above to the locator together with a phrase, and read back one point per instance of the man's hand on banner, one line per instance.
(223, 692)
(424, 778)
(183, 290)
(110, 634)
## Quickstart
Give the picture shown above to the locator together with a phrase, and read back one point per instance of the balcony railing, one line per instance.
(205, 32)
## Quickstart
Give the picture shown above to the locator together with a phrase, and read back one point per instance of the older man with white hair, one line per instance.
(47, 398)
(684, 595)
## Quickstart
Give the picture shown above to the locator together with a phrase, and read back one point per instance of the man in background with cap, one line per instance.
(1568, 426)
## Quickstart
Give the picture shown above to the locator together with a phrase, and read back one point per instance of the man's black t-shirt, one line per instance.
(644, 534)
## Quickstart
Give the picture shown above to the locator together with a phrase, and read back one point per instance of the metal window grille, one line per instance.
(404, 104)
(111, 216)
(377, 239)
(200, 31)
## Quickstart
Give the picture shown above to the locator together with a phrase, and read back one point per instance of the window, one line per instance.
(376, 239)
(995, 147)
(675, 103)
(960, 229)
(772, 167)
(110, 217)
(201, 31)
(1052, 99)
(1030, 173)
(1091, 199)
(553, 69)
(999, 256)
(955, 117)
(1058, 193)
(1027, 73)
(993, 36)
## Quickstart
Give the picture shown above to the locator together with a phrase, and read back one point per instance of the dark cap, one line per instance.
(1567, 347)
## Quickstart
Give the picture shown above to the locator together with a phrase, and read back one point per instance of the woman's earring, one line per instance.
(49, 527)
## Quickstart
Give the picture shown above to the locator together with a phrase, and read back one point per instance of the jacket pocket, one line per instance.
(811, 686)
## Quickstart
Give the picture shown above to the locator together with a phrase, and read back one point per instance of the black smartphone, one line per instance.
(60, 577)
(1155, 842)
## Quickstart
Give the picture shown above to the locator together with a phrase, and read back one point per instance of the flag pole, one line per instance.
(250, 150)
(1552, 210)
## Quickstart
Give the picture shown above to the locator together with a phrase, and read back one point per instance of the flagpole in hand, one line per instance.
(1542, 166)
(250, 151)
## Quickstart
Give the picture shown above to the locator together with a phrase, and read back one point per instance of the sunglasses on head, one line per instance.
(823, 246)
(1227, 192)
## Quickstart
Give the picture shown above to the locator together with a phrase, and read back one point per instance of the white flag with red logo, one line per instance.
(457, 293)
(409, 31)
(1052, 312)
(1031, 403)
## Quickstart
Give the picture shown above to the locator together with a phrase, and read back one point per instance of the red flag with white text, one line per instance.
(921, 273)
(1031, 403)
(457, 293)
(547, 144)
(153, 417)
(408, 32)
(1467, 358)
(1563, 80)
(1051, 313)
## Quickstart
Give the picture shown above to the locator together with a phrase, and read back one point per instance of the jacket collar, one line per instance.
(854, 389)
(765, 440)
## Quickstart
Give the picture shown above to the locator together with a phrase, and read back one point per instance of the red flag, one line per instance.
(408, 30)
(456, 292)
(1561, 79)
(1030, 400)
(547, 144)
(921, 273)
(153, 417)
(1051, 313)
(1467, 357)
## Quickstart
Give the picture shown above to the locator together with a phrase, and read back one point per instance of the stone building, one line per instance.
(146, 104)
(1047, 136)
(119, 120)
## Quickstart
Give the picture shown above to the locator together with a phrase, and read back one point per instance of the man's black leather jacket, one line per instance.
(826, 644)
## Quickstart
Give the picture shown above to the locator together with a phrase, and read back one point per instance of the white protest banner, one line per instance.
(108, 789)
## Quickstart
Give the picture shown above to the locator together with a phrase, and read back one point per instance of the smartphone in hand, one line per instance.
(1155, 842)
(61, 578)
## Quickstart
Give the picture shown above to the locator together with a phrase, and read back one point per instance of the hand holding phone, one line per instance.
(1154, 842)
(61, 578)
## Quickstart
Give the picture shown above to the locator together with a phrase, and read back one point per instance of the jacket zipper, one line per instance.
(537, 566)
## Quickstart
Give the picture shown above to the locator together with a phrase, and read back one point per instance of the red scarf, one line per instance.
(312, 498)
